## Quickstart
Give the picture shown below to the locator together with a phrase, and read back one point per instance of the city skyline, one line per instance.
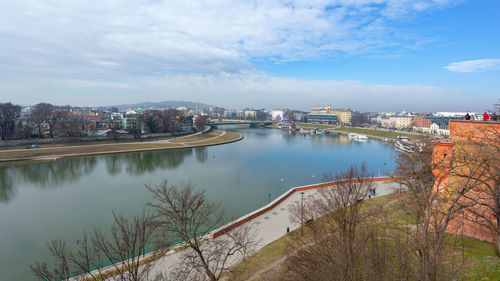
(373, 55)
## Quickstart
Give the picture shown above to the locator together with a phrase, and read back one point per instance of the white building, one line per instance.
(277, 115)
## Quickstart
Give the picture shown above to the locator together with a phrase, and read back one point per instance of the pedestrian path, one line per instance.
(273, 223)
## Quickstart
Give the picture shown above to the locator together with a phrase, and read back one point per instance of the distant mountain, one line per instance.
(159, 105)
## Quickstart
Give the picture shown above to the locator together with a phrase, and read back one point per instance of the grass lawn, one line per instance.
(365, 131)
(210, 138)
(481, 260)
(379, 133)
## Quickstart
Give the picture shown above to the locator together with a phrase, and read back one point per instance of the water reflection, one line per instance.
(142, 162)
(55, 174)
(201, 154)
(65, 171)
(7, 190)
(43, 175)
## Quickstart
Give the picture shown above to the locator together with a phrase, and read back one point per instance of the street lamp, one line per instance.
(302, 215)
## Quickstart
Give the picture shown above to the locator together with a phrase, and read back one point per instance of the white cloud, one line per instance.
(101, 52)
(143, 37)
(248, 88)
(474, 65)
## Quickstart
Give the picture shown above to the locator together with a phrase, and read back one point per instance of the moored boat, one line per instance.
(358, 137)
(404, 144)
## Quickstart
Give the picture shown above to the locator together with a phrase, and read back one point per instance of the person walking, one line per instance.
(486, 117)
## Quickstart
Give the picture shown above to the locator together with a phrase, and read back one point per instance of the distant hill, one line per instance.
(159, 105)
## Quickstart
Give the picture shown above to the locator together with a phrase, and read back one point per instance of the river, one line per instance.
(44, 201)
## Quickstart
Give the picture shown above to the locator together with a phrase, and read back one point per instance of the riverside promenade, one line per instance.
(271, 221)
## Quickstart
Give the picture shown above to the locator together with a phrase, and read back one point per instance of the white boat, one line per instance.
(358, 137)
(404, 144)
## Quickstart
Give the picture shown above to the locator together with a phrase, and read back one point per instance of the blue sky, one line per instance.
(370, 55)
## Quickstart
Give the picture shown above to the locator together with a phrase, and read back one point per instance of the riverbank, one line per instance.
(51, 153)
(268, 263)
(371, 133)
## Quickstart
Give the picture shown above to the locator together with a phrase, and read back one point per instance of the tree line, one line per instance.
(48, 121)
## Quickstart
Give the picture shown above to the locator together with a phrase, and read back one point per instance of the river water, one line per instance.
(44, 201)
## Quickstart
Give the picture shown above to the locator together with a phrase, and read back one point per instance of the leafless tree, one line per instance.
(42, 116)
(200, 122)
(69, 125)
(8, 115)
(477, 166)
(118, 256)
(171, 120)
(431, 202)
(344, 243)
(185, 213)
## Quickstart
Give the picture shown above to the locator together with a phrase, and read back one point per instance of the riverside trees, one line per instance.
(184, 212)
(344, 243)
(99, 256)
(351, 241)
(8, 115)
(180, 213)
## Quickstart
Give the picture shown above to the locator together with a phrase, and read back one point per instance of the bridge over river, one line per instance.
(252, 124)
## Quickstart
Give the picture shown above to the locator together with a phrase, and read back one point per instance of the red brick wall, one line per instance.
(468, 132)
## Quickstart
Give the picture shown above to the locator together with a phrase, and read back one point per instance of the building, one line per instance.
(345, 116)
(186, 124)
(249, 114)
(421, 122)
(277, 115)
(397, 122)
(386, 123)
(443, 121)
(322, 114)
(402, 122)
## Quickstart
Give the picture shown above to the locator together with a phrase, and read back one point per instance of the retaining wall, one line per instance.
(232, 225)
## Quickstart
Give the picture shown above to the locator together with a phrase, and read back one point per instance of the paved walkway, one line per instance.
(271, 225)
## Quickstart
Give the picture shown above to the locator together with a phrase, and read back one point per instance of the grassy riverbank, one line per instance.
(365, 131)
(481, 261)
(54, 152)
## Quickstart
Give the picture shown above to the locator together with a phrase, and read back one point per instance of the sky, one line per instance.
(367, 55)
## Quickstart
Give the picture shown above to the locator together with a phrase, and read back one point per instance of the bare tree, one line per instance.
(185, 213)
(200, 122)
(8, 115)
(171, 120)
(68, 125)
(477, 166)
(42, 117)
(344, 243)
(118, 256)
(431, 202)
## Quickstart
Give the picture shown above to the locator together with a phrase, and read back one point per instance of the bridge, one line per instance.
(252, 124)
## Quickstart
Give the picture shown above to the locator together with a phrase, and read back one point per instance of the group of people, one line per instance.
(486, 117)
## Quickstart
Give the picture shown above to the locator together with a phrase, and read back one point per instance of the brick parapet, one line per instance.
(232, 225)
(472, 132)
